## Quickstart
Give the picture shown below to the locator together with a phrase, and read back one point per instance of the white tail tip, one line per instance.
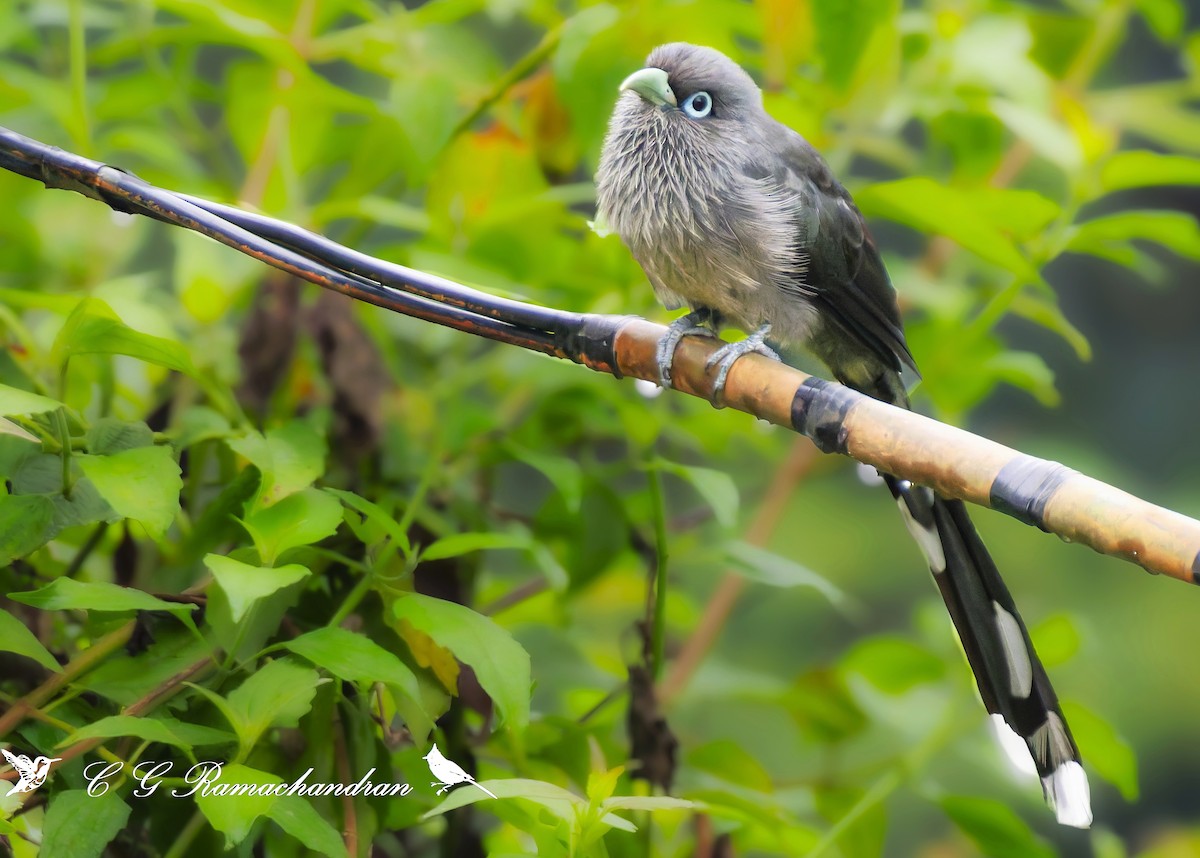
(1014, 747)
(1070, 795)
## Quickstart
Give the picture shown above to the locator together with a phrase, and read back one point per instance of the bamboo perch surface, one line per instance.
(952, 461)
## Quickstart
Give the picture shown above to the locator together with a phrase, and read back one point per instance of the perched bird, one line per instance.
(449, 773)
(32, 772)
(735, 216)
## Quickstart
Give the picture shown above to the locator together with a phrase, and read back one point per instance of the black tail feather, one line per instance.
(1010, 677)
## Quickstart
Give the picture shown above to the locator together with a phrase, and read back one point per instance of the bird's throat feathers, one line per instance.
(705, 231)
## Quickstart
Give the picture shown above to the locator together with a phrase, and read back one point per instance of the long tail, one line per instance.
(1011, 679)
(482, 787)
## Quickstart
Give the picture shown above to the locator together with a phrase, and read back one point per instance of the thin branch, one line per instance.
(524, 67)
(78, 666)
(515, 596)
(147, 703)
(951, 461)
(656, 614)
(341, 756)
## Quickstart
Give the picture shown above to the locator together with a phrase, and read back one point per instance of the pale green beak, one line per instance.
(651, 84)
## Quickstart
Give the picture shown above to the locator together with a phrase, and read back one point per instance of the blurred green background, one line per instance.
(1031, 172)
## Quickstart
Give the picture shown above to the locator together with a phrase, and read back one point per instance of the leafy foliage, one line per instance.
(243, 522)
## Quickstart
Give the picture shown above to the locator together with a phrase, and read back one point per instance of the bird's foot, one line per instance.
(726, 356)
(693, 324)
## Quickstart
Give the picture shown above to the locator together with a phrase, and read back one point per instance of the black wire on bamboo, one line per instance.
(951, 461)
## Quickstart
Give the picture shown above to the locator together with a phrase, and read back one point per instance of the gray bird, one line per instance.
(738, 218)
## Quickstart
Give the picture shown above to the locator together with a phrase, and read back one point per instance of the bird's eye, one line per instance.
(698, 105)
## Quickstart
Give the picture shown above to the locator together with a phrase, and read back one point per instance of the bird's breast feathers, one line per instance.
(706, 232)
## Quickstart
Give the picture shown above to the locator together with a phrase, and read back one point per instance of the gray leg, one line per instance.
(694, 323)
(726, 356)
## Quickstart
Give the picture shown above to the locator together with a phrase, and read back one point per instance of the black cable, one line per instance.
(436, 300)
(389, 273)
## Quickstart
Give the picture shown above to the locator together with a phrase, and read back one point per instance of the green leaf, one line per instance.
(1026, 370)
(1159, 112)
(290, 457)
(500, 663)
(728, 760)
(560, 802)
(355, 658)
(843, 32)
(1165, 17)
(302, 518)
(862, 834)
(716, 487)
(109, 435)
(767, 567)
(16, 402)
(93, 327)
(298, 818)
(142, 484)
(375, 514)
(646, 802)
(564, 473)
(1056, 639)
(14, 430)
(42, 474)
(1176, 231)
(1143, 169)
(38, 474)
(602, 784)
(466, 543)
(125, 678)
(995, 828)
(1045, 134)
(64, 594)
(26, 524)
(168, 731)
(16, 637)
(82, 825)
(1022, 214)
(234, 814)
(824, 708)
(278, 694)
(218, 522)
(931, 207)
(893, 665)
(1042, 310)
(199, 423)
(1103, 749)
(244, 584)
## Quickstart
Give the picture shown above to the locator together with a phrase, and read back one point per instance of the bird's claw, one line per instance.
(726, 356)
(692, 324)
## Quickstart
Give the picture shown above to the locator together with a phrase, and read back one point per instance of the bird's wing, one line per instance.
(844, 276)
(20, 762)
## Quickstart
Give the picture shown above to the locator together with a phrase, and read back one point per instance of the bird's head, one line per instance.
(684, 83)
(680, 128)
(434, 753)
